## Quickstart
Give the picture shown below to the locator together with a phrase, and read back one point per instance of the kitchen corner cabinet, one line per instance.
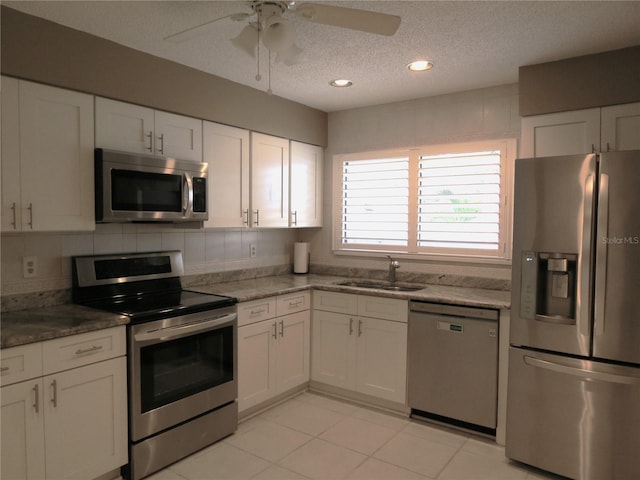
(359, 343)
(269, 181)
(273, 347)
(226, 150)
(306, 185)
(136, 129)
(610, 128)
(64, 407)
(47, 158)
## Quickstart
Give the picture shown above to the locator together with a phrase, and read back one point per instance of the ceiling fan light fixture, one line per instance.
(247, 40)
(420, 65)
(341, 83)
(278, 34)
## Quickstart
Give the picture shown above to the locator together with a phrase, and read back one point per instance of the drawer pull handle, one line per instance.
(36, 398)
(4, 369)
(275, 330)
(54, 393)
(83, 351)
(295, 304)
(258, 312)
(351, 326)
(281, 328)
(359, 328)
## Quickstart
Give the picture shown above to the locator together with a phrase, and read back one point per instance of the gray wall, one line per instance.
(46, 52)
(608, 78)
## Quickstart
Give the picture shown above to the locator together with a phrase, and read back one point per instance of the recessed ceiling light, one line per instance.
(341, 83)
(420, 66)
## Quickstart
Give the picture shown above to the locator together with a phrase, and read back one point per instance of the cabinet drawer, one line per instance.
(385, 308)
(256, 311)
(83, 349)
(20, 363)
(292, 303)
(335, 302)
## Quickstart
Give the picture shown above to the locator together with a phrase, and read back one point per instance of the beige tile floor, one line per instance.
(316, 437)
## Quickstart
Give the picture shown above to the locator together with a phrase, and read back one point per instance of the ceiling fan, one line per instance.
(269, 21)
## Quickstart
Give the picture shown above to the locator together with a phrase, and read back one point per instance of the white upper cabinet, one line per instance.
(604, 129)
(269, 181)
(621, 127)
(564, 133)
(226, 150)
(306, 185)
(47, 158)
(132, 128)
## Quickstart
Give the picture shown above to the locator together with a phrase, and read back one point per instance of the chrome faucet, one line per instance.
(393, 266)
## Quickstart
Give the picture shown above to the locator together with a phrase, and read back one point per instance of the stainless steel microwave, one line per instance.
(134, 187)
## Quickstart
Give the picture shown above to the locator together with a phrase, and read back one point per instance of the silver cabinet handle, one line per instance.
(4, 369)
(295, 218)
(275, 330)
(30, 208)
(161, 149)
(359, 328)
(54, 393)
(351, 326)
(245, 214)
(257, 217)
(36, 398)
(14, 223)
(82, 351)
(150, 147)
(281, 328)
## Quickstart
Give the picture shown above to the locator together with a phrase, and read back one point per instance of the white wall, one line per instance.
(204, 251)
(474, 115)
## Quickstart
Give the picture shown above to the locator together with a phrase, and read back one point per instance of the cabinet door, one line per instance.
(86, 420)
(564, 133)
(621, 127)
(334, 349)
(22, 423)
(306, 185)
(292, 354)
(256, 360)
(56, 158)
(269, 181)
(178, 136)
(10, 158)
(123, 126)
(226, 150)
(382, 359)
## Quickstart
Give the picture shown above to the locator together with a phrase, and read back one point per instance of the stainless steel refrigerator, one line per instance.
(573, 403)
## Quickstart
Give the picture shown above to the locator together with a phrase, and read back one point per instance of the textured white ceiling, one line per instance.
(473, 44)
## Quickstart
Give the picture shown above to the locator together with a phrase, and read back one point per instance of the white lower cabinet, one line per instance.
(361, 353)
(69, 424)
(273, 347)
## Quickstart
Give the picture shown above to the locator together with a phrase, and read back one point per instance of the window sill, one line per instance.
(427, 257)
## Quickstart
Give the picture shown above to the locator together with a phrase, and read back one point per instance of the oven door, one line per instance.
(179, 368)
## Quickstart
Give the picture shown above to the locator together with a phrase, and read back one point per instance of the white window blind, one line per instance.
(459, 201)
(375, 202)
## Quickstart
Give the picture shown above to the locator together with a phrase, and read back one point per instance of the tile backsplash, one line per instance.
(204, 251)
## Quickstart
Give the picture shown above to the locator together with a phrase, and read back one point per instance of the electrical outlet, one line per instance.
(29, 267)
(253, 250)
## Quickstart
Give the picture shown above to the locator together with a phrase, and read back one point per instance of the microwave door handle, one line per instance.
(187, 199)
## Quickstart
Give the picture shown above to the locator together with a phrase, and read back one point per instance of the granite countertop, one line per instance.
(247, 290)
(38, 324)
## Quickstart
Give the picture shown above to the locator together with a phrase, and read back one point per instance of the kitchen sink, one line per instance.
(382, 286)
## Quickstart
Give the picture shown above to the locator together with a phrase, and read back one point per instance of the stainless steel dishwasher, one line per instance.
(453, 365)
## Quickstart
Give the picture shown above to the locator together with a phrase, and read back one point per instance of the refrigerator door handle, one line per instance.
(601, 255)
(587, 375)
(583, 299)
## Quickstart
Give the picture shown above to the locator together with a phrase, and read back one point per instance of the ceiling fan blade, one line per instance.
(352, 18)
(193, 32)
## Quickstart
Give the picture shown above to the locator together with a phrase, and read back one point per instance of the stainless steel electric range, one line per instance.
(182, 354)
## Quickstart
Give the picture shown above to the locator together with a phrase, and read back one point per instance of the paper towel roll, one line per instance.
(300, 257)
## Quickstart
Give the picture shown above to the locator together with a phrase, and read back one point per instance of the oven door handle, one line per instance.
(177, 331)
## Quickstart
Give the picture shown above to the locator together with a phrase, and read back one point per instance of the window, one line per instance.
(451, 200)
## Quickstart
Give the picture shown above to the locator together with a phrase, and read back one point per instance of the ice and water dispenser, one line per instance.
(548, 289)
